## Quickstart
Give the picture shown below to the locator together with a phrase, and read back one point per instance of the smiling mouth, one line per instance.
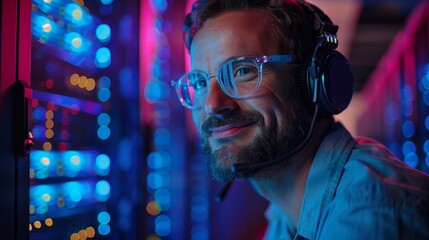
(229, 130)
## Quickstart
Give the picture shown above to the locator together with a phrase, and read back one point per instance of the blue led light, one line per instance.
(103, 217)
(199, 213)
(75, 195)
(103, 132)
(102, 189)
(106, 2)
(163, 196)
(408, 129)
(427, 160)
(426, 146)
(103, 94)
(162, 136)
(158, 160)
(407, 93)
(162, 225)
(74, 42)
(39, 113)
(154, 180)
(408, 147)
(200, 232)
(39, 132)
(104, 82)
(103, 119)
(156, 91)
(102, 162)
(411, 160)
(102, 57)
(104, 229)
(103, 33)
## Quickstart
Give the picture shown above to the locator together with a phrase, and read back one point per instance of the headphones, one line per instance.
(328, 76)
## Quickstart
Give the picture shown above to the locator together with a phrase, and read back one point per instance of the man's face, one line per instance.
(253, 129)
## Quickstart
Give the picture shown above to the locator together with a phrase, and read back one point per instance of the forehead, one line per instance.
(233, 34)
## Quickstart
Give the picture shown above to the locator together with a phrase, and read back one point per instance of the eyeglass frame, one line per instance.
(260, 61)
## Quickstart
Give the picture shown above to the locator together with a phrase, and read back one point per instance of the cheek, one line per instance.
(197, 116)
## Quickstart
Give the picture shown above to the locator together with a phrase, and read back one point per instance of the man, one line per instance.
(264, 85)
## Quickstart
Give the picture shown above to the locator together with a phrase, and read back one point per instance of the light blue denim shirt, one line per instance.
(357, 190)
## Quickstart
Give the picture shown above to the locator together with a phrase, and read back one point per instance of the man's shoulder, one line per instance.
(377, 191)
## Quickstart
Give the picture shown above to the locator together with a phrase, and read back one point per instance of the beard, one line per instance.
(266, 146)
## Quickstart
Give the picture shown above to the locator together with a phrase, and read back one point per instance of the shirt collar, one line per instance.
(323, 178)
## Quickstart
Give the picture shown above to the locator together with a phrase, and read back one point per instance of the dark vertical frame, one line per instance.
(15, 96)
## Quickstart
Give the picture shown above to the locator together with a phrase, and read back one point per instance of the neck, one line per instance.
(285, 186)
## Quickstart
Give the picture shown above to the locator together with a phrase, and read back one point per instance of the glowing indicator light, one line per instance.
(408, 128)
(106, 2)
(49, 133)
(102, 57)
(49, 222)
(47, 1)
(75, 160)
(411, 160)
(103, 217)
(90, 231)
(83, 81)
(102, 189)
(90, 84)
(163, 225)
(104, 82)
(75, 195)
(103, 132)
(103, 32)
(104, 229)
(74, 79)
(153, 208)
(37, 224)
(45, 161)
(76, 42)
(103, 119)
(49, 114)
(47, 27)
(49, 123)
(104, 94)
(46, 197)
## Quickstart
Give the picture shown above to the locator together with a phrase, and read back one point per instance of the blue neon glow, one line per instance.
(104, 82)
(103, 132)
(103, 217)
(103, 119)
(103, 33)
(102, 57)
(408, 129)
(39, 132)
(68, 102)
(163, 197)
(75, 14)
(411, 160)
(39, 113)
(102, 162)
(158, 160)
(162, 225)
(75, 195)
(162, 136)
(102, 189)
(103, 94)
(157, 180)
(426, 146)
(106, 2)
(408, 147)
(104, 229)
(407, 93)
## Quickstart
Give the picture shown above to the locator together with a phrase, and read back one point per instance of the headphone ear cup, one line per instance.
(335, 81)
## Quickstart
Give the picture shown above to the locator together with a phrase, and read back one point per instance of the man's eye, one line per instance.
(199, 84)
(245, 73)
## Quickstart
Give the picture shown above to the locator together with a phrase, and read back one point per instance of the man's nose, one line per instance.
(217, 101)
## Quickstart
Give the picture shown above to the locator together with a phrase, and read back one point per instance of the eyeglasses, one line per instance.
(238, 78)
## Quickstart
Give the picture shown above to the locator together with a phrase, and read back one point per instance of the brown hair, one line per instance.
(293, 23)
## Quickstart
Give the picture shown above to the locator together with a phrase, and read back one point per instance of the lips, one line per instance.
(229, 130)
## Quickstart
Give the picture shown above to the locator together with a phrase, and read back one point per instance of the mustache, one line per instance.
(235, 117)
